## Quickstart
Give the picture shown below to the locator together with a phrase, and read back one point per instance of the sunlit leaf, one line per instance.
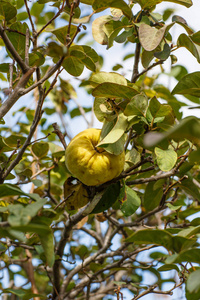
(103, 4)
(97, 29)
(166, 159)
(137, 106)
(117, 131)
(101, 77)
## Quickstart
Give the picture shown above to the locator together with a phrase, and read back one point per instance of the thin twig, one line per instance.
(160, 62)
(27, 47)
(82, 111)
(30, 18)
(59, 134)
(52, 19)
(78, 29)
(62, 202)
(11, 66)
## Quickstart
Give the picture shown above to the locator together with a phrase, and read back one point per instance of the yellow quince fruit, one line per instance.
(90, 164)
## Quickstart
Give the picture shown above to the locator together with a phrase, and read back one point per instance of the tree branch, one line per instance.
(73, 220)
(45, 77)
(136, 63)
(16, 94)
(160, 62)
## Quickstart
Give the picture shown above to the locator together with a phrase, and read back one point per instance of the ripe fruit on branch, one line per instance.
(90, 164)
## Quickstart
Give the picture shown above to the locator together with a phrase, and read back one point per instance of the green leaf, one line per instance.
(61, 33)
(178, 72)
(188, 128)
(132, 156)
(3, 146)
(20, 215)
(111, 29)
(73, 65)
(189, 84)
(40, 149)
(13, 139)
(189, 232)
(117, 147)
(103, 4)
(157, 111)
(166, 159)
(116, 132)
(17, 39)
(145, 4)
(47, 241)
(164, 54)
(12, 234)
(190, 255)
(186, 3)
(146, 58)
(114, 90)
(7, 10)
(181, 21)
(86, 54)
(195, 37)
(154, 237)
(131, 202)
(76, 112)
(23, 294)
(12, 190)
(186, 41)
(194, 156)
(190, 188)
(153, 195)
(168, 267)
(137, 106)
(108, 198)
(102, 110)
(193, 283)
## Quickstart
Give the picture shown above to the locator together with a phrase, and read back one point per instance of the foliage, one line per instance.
(55, 244)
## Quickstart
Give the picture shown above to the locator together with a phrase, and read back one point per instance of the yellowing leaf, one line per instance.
(76, 195)
(150, 37)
